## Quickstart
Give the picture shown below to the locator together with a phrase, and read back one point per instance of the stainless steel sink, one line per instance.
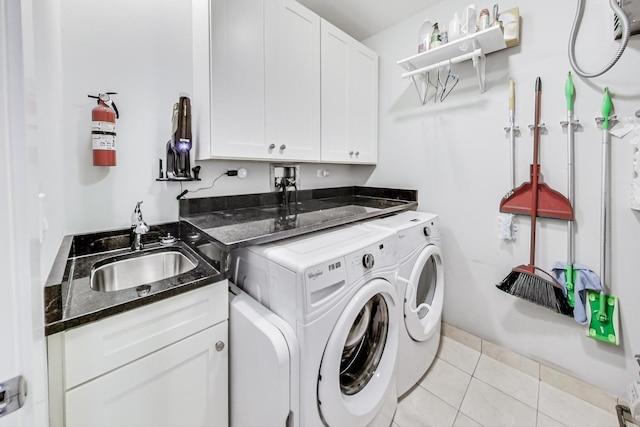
(210, 251)
(115, 275)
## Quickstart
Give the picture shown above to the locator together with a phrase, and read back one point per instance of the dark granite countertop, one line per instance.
(208, 229)
(69, 299)
(236, 221)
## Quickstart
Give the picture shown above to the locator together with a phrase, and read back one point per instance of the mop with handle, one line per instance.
(570, 273)
(602, 309)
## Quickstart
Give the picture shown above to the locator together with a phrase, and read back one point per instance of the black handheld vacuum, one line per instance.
(179, 146)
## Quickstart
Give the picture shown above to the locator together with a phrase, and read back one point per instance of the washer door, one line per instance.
(423, 307)
(357, 366)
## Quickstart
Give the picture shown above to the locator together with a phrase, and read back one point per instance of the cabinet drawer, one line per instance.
(92, 350)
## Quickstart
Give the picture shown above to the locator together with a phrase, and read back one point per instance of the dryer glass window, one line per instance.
(364, 345)
(427, 286)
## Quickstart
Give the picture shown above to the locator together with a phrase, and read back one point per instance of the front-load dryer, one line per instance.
(421, 289)
(336, 291)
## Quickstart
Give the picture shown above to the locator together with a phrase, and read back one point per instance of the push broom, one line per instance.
(532, 198)
(602, 310)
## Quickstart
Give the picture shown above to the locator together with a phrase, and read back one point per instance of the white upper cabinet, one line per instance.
(281, 87)
(292, 77)
(265, 81)
(349, 82)
(237, 79)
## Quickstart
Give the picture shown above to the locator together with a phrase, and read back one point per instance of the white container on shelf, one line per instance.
(454, 28)
(424, 36)
(469, 20)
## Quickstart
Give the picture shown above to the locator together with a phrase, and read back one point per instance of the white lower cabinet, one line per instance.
(181, 385)
(163, 364)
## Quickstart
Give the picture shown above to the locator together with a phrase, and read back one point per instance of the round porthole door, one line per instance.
(358, 362)
(423, 305)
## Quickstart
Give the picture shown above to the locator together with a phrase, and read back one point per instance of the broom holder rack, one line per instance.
(612, 121)
(575, 124)
(516, 130)
(541, 126)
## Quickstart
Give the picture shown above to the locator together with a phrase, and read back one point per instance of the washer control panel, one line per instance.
(380, 255)
(423, 232)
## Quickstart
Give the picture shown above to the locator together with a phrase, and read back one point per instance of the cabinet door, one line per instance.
(349, 82)
(99, 347)
(292, 55)
(334, 48)
(362, 81)
(237, 79)
(184, 384)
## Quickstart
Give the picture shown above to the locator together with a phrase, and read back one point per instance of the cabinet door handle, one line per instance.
(351, 153)
(357, 153)
(272, 146)
(13, 394)
(220, 346)
(282, 147)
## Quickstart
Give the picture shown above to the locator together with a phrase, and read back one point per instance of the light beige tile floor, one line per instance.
(464, 387)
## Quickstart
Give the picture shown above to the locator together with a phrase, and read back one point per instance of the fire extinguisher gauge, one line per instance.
(104, 97)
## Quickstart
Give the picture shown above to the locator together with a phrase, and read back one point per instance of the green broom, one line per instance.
(528, 281)
(602, 310)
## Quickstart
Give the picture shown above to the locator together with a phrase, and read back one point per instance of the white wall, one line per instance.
(457, 155)
(454, 153)
(142, 50)
(47, 86)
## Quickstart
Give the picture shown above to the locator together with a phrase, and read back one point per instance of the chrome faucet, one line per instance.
(138, 228)
(285, 179)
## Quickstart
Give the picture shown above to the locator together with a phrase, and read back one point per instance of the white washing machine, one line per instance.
(421, 290)
(314, 330)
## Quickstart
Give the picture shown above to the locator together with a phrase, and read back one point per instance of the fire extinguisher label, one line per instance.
(103, 126)
(103, 142)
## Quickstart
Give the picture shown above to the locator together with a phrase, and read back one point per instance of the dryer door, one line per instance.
(424, 295)
(356, 372)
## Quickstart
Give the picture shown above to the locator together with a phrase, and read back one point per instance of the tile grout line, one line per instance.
(540, 367)
(466, 390)
(538, 399)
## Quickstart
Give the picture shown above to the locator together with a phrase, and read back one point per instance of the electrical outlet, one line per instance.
(322, 173)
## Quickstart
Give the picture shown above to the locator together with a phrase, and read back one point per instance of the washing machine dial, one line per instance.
(367, 260)
(427, 231)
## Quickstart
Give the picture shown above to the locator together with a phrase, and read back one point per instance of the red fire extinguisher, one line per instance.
(103, 130)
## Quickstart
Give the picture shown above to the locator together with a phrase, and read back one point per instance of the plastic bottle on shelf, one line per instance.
(436, 37)
(424, 36)
(484, 19)
(454, 28)
(469, 21)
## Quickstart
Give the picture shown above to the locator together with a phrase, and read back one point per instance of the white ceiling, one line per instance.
(364, 18)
